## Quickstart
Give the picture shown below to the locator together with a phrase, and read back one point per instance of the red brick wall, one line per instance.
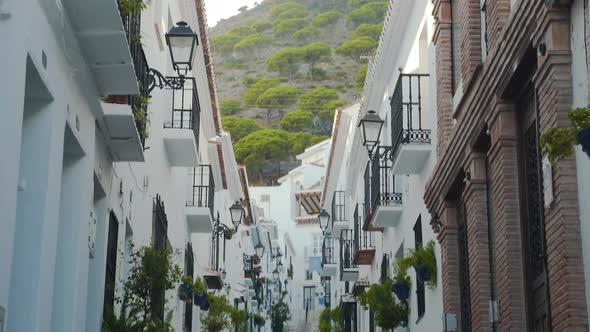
(470, 33)
(497, 12)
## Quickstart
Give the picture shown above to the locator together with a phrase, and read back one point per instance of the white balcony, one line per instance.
(199, 219)
(213, 279)
(411, 158)
(338, 226)
(349, 274)
(122, 136)
(329, 270)
(103, 41)
(387, 216)
(181, 147)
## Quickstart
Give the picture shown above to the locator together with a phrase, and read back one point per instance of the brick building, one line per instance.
(510, 226)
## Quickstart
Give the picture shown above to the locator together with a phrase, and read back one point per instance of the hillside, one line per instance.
(283, 67)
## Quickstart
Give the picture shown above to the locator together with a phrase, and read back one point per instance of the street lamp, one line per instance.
(280, 266)
(371, 125)
(181, 41)
(275, 275)
(259, 249)
(237, 212)
(223, 274)
(324, 220)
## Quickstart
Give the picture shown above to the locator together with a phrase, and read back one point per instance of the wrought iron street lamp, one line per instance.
(259, 249)
(324, 220)
(371, 125)
(275, 275)
(182, 42)
(237, 212)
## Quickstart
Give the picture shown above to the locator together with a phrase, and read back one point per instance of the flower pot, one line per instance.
(116, 99)
(247, 274)
(204, 306)
(200, 299)
(401, 290)
(584, 140)
(258, 321)
(422, 274)
(185, 292)
(227, 235)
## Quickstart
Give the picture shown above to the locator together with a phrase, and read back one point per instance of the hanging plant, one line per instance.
(219, 316)
(255, 259)
(239, 319)
(247, 274)
(258, 320)
(424, 261)
(389, 313)
(200, 292)
(185, 290)
(130, 6)
(258, 270)
(401, 281)
(229, 233)
(558, 142)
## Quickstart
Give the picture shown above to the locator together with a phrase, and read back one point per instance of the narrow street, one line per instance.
(295, 165)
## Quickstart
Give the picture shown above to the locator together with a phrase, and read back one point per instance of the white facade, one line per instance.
(280, 205)
(66, 170)
(405, 48)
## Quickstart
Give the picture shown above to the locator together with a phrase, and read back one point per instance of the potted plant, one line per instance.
(247, 273)
(325, 318)
(115, 99)
(255, 259)
(200, 292)
(229, 233)
(401, 281)
(389, 314)
(185, 290)
(558, 142)
(258, 320)
(258, 270)
(424, 261)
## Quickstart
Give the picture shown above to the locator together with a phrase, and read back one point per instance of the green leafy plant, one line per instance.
(239, 319)
(325, 320)
(424, 257)
(400, 269)
(336, 316)
(558, 142)
(389, 313)
(130, 6)
(326, 18)
(152, 271)
(218, 317)
(279, 315)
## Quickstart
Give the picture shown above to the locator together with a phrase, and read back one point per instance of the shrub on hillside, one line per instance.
(279, 9)
(367, 30)
(372, 12)
(306, 34)
(292, 13)
(356, 48)
(289, 26)
(326, 18)
(261, 26)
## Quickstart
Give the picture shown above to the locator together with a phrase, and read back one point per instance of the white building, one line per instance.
(377, 205)
(299, 233)
(81, 184)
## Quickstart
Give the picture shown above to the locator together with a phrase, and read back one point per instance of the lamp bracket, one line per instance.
(156, 79)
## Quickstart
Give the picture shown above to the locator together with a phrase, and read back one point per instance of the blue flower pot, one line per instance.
(422, 273)
(204, 306)
(401, 290)
(185, 292)
(584, 140)
(201, 299)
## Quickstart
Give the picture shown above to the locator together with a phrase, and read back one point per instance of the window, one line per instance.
(421, 301)
(484, 30)
(189, 267)
(317, 245)
(456, 44)
(159, 241)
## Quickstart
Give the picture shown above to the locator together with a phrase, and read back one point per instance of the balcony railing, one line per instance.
(380, 183)
(186, 111)
(203, 188)
(132, 26)
(328, 251)
(363, 239)
(339, 206)
(406, 111)
(346, 250)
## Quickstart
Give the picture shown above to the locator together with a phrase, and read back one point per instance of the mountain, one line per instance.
(283, 67)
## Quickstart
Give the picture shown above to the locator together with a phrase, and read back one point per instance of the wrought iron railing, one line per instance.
(339, 206)
(380, 183)
(186, 110)
(363, 239)
(160, 241)
(346, 250)
(203, 188)
(328, 251)
(132, 25)
(406, 111)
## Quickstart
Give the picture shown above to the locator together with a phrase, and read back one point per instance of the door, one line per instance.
(533, 225)
(111, 264)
